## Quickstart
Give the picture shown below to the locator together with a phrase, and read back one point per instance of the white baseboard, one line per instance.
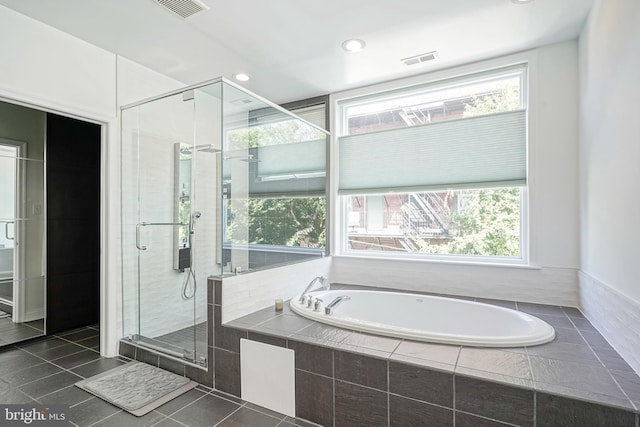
(615, 316)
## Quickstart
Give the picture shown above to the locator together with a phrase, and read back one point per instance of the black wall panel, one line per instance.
(73, 223)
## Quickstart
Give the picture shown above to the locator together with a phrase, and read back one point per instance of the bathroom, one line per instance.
(580, 234)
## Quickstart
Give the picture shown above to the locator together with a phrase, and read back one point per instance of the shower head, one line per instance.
(250, 160)
(207, 148)
(243, 158)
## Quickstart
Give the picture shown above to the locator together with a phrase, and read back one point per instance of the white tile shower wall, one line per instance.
(134, 82)
(162, 308)
(246, 293)
(556, 286)
(206, 183)
(616, 316)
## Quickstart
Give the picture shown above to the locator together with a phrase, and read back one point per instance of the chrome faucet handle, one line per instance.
(309, 300)
(333, 304)
(316, 304)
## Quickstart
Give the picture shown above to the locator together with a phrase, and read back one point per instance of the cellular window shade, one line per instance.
(474, 152)
(294, 169)
(314, 114)
(295, 158)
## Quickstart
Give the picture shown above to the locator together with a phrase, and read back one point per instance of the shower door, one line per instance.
(169, 313)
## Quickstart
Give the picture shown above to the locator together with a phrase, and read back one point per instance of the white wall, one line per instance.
(46, 69)
(553, 197)
(609, 173)
(610, 145)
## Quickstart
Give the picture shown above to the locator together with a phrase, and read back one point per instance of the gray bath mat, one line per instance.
(136, 387)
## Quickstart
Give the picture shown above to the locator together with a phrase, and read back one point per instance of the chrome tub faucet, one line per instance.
(324, 283)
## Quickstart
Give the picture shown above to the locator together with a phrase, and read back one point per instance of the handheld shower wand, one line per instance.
(191, 274)
(192, 224)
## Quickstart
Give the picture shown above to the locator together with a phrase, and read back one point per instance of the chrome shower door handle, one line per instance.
(144, 224)
(140, 248)
(6, 231)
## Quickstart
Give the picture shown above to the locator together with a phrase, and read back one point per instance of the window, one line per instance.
(438, 169)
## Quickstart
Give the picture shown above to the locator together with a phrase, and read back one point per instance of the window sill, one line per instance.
(410, 258)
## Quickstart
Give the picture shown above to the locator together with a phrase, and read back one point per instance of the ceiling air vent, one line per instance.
(419, 59)
(183, 8)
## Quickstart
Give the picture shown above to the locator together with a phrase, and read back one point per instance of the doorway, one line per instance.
(8, 193)
(50, 186)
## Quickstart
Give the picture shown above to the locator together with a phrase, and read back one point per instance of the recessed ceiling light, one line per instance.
(353, 45)
(242, 77)
(521, 1)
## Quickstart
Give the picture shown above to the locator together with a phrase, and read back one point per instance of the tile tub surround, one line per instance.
(343, 375)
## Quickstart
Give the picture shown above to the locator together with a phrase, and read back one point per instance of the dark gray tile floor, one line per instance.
(44, 371)
(11, 333)
(579, 363)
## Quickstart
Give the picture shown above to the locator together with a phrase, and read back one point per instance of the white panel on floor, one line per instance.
(267, 376)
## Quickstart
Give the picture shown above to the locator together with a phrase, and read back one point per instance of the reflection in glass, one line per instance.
(22, 228)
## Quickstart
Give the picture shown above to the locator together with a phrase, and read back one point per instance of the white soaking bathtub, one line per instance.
(427, 318)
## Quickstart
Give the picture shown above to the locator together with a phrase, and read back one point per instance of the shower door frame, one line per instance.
(179, 352)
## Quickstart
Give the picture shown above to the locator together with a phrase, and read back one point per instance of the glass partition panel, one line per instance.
(274, 181)
(215, 180)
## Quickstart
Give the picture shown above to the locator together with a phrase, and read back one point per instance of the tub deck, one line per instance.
(579, 366)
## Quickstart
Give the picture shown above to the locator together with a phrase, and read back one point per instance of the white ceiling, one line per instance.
(292, 48)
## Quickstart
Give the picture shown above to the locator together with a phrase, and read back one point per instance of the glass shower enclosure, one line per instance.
(192, 162)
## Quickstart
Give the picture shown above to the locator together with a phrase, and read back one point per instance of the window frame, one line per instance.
(419, 83)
